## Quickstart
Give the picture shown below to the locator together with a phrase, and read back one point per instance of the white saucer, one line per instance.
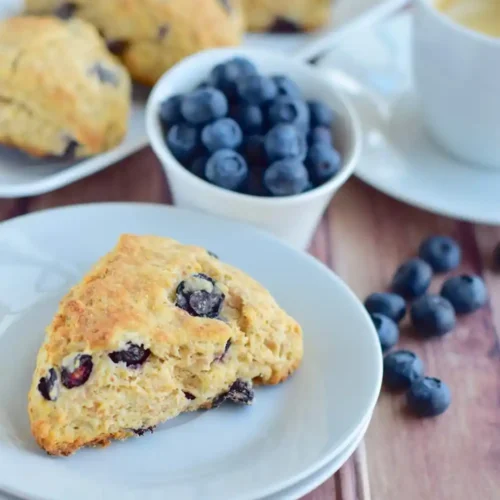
(22, 176)
(240, 453)
(400, 159)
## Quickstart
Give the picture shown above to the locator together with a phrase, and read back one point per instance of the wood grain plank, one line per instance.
(137, 178)
(457, 455)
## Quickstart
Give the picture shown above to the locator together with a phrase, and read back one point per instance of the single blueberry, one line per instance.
(105, 74)
(442, 253)
(48, 386)
(227, 169)
(253, 150)
(224, 133)
(467, 293)
(133, 356)
(321, 114)
(224, 75)
(389, 304)
(256, 89)
(189, 395)
(78, 372)
(163, 31)
(387, 330)
(204, 105)
(249, 118)
(432, 315)
(117, 46)
(183, 141)
(286, 177)
(287, 87)
(240, 392)
(496, 258)
(170, 111)
(286, 109)
(198, 166)
(285, 141)
(401, 369)
(412, 279)
(323, 162)
(284, 25)
(428, 397)
(319, 134)
(199, 296)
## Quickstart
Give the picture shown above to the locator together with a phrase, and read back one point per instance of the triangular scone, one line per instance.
(155, 329)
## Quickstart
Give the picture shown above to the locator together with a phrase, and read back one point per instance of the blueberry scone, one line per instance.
(286, 15)
(155, 329)
(150, 36)
(61, 92)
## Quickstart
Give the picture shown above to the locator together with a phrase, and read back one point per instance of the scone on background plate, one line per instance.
(61, 92)
(286, 15)
(155, 329)
(151, 36)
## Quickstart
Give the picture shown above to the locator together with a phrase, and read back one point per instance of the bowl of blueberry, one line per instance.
(255, 136)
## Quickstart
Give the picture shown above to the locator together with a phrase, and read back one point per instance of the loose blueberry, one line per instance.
(286, 87)
(323, 162)
(170, 111)
(48, 386)
(467, 293)
(227, 169)
(285, 141)
(256, 89)
(387, 330)
(222, 355)
(66, 10)
(319, 134)
(401, 369)
(204, 105)
(224, 133)
(77, 372)
(432, 315)
(321, 114)
(198, 166)
(104, 74)
(249, 118)
(389, 304)
(286, 109)
(240, 392)
(412, 279)
(428, 397)
(134, 356)
(199, 296)
(253, 150)
(225, 75)
(286, 177)
(141, 432)
(442, 253)
(183, 141)
(496, 258)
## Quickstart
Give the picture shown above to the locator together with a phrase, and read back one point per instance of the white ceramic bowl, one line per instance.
(292, 218)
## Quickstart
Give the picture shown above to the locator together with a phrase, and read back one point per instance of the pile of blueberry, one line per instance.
(251, 133)
(431, 316)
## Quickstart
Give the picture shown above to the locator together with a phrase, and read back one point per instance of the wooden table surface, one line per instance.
(363, 236)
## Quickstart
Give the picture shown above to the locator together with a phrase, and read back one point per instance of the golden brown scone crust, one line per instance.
(307, 15)
(153, 35)
(52, 97)
(129, 296)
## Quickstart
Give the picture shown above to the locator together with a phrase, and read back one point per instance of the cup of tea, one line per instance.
(456, 58)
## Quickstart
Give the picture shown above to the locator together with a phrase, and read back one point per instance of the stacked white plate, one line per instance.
(293, 437)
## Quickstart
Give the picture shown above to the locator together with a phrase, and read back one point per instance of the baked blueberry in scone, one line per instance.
(286, 16)
(150, 36)
(155, 329)
(61, 92)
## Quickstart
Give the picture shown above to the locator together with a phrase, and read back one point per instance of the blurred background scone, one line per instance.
(61, 92)
(150, 36)
(286, 15)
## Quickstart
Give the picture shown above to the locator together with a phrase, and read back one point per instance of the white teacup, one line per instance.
(457, 74)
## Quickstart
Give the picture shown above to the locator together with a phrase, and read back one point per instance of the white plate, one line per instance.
(315, 480)
(293, 429)
(22, 176)
(400, 159)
